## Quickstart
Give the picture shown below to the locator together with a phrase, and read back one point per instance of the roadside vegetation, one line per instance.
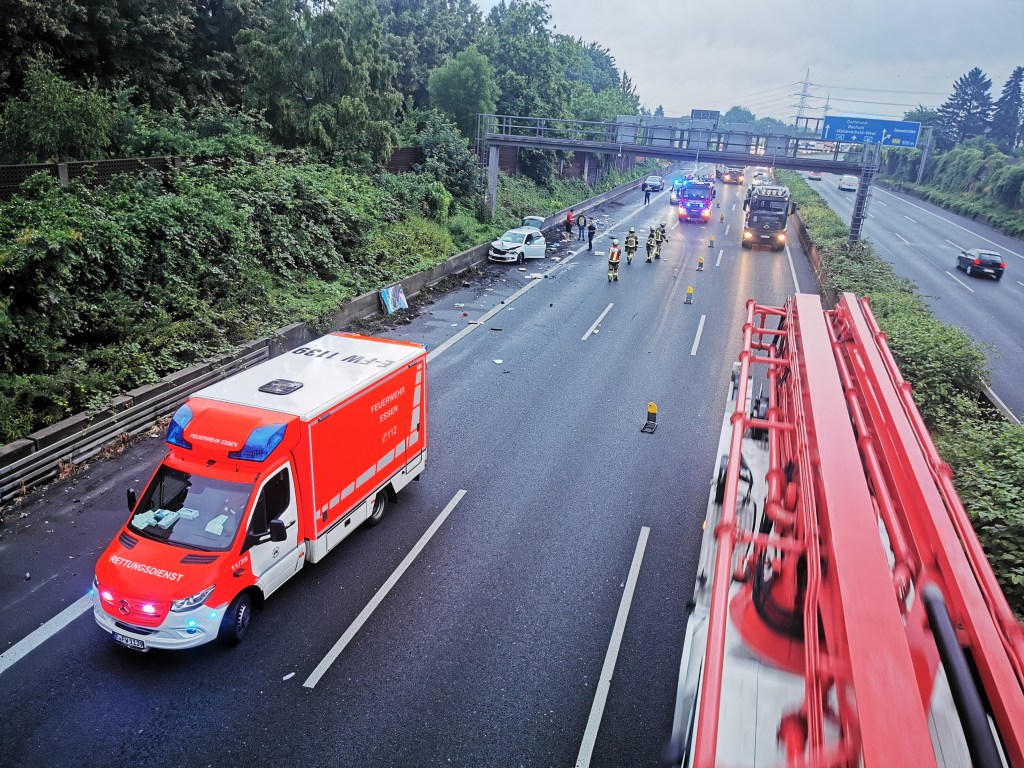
(947, 371)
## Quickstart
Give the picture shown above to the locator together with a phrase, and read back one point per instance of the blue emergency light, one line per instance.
(176, 429)
(261, 443)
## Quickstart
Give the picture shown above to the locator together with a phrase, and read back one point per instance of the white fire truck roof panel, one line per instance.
(329, 369)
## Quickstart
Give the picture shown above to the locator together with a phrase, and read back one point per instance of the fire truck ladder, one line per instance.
(864, 576)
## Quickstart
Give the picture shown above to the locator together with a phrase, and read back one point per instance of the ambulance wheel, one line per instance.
(236, 619)
(380, 504)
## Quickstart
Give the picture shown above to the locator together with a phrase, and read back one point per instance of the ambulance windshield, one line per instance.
(191, 510)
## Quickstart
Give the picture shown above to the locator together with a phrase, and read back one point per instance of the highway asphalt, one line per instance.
(539, 618)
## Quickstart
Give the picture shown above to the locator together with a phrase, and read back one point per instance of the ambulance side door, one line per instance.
(273, 562)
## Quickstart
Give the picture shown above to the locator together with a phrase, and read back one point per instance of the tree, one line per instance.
(738, 115)
(54, 120)
(29, 28)
(146, 42)
(447, 156)
(966, 112)
(660, 111)
(587, 63)
(1009, 112)
(518, 42)
(923, 115)
(463, 88)
(321, 75)
(424, 34)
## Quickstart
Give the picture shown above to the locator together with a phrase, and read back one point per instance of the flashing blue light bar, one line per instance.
(176, 429)
(261, 443)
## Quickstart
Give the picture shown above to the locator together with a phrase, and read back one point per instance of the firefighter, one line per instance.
(632, 242)
(660, 236)
(652, 241)
(613, 261)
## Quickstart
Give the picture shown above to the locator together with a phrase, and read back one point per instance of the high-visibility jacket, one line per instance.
(631, 242)
(613, 254)
(658, 236)
(651, 241)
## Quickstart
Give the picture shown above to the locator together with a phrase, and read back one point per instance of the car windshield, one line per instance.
(654, 179)
(191, 511)
(774, 219)
(987, 257)
(514, 237)
(697, 191)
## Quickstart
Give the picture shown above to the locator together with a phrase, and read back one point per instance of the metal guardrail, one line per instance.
(43, 465)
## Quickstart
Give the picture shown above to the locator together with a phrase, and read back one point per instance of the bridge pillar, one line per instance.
(586, 167)
(492, 177)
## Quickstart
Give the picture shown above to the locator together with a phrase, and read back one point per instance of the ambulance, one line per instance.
(266, 471)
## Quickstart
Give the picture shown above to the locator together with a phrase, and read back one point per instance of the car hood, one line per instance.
(506, 245)
(152, 569)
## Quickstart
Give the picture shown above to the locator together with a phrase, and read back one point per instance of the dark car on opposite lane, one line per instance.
(976, 261)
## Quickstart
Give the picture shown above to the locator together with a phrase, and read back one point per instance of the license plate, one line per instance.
(129, 642)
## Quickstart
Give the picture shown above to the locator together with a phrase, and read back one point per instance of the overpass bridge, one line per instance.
(631, 137)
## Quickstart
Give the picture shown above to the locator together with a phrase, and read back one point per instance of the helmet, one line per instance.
(632, 230)
(662, 225)
(615, 242)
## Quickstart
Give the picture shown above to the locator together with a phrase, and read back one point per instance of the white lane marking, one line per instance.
(909, 219)
(30, 642)
(901, 237)
(871, 215)
(371, 606)
(1010, 415)
(604, 683)
(792, 269)
(937, 216)
(718, 263)
(954, 245)
(1020, 284)
(597, 322)
(965, 285)
(727, 226)
(696, 341)
(883, 204)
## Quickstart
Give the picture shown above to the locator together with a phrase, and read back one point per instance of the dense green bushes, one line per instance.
(107, 288)
(947, 370)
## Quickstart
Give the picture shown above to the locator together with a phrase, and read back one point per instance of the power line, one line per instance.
(877, 90)
(861, 101)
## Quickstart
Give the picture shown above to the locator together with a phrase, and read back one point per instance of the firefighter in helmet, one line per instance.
(632, 243)
(652, 241)
(660, 236)
(614, 254)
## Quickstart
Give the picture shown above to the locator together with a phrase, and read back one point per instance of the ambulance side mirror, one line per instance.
(278, 530)
(132, 499)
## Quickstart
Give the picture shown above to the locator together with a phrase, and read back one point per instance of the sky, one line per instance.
(716, 54)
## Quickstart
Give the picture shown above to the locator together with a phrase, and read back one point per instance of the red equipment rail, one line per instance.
(849, 455)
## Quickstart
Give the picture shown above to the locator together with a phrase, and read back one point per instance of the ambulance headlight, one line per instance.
(188, 603)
